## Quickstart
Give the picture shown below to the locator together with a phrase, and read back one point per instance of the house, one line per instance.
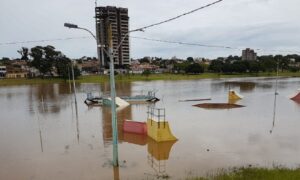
(15, 75)
(137, 68)
(2, 71)
(23, 65)
(15, 71)
(89, 66)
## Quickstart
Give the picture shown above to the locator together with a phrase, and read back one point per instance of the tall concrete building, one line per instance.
(249, 55)
(119, 21)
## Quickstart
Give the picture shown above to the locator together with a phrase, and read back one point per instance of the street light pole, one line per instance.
(74, 87)
(113, 100)
(74, 26)
(111, 54)
(113, 93)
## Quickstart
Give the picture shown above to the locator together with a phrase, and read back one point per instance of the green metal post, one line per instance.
(74, 87)
(113, 103)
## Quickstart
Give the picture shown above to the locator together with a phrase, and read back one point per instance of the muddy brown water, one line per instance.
(44, 136)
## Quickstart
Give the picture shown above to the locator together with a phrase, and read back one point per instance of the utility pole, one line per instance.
(74, 26)
(69, 74)
(113, 100)
(277, 73)
(101, 43)
(74, 87)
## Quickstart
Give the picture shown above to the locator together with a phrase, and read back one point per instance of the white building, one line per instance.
(2, 71)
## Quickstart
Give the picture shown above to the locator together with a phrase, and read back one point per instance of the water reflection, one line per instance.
(116, 173)
(122, 88)
(131, 138)
(40, 130)
(244, 86)
(250, 84)
(158, 152)
(123, 114)
(233, 101)
(50, 98)
(77, 122)
(274, 110)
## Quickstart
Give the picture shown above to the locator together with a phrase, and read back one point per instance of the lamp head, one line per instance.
(69, 25)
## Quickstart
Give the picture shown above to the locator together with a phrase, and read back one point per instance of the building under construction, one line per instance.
(119, 21)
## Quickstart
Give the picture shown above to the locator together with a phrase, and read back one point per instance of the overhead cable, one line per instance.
(44, 40)
(177, 17)
(210, 46)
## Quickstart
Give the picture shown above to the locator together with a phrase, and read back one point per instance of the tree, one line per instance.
(194, 68)
(240, 66)
(63, 66)
(268, 63)
(4, 61)
(216, 66)
(24, 52)
(48, 61)
(40, 61)
(190, 59)
(180, 67)
(254, 67)
(227, 68)
(144, 60)
(284, 63)
(146, 73)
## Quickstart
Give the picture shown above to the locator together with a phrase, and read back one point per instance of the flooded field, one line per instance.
(44, 135)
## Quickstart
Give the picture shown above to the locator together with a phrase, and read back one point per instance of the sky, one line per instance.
(271, 25)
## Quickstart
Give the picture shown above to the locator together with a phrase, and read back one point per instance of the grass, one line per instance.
(23, 81)
(277, 173)
(151, 77)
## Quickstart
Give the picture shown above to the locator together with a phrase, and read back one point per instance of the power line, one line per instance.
(209, 46)
(151, 39)
(157, 40)
(45, 40)
(142, 28)
(179, 16)
(185, 43)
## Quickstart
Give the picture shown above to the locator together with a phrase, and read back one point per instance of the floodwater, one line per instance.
(44, 135)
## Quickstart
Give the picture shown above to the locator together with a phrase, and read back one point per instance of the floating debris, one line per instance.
(187, 100)
(218, 106)
(104, 100)
(149, 97)
(119, 102)
(93, 100)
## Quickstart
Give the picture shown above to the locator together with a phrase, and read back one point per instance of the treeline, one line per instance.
(227, 65)
(263, 64)
(47, 60)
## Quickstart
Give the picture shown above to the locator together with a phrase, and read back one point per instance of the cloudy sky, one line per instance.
(264, 24)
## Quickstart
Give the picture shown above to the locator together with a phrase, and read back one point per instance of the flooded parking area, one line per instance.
(45, 135)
